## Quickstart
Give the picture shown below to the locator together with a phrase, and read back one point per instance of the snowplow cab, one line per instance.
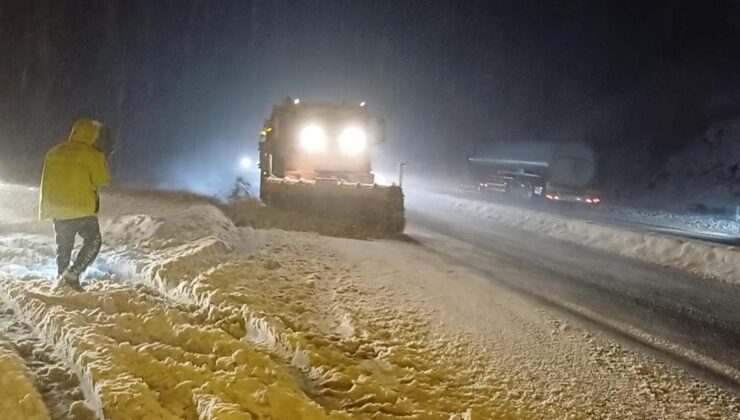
(315, 160)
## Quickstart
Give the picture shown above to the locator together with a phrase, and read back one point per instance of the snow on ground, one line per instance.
(679, 220)
(207, 307)
(547, 367)
(141, 358)
(704, 259)
(187, 316)
(20, 398)
(56, 384)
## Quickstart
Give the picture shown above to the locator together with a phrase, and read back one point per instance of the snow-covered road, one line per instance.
(676, 314)
(717, 261)
(188, 316)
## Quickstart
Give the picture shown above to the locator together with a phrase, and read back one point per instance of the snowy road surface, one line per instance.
(719, 262)
(692, 320)
(187, 316)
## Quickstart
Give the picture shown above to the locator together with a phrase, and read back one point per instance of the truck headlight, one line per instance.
(353, 140)
(313, 138)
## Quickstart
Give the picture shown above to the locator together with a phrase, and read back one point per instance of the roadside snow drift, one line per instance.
(704, 259)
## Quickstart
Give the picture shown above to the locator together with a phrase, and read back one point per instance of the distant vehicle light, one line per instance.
(362, 103)
(313, 138)
(296, 101)
(353, 140)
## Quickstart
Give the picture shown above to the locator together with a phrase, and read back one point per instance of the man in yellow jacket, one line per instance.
(73, 172)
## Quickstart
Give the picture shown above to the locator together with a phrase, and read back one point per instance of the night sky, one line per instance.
(186, 84)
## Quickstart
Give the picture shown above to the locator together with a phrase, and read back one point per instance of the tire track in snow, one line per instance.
(142, 359)
(19, 396)
(380, 362)
(55, 383)
(560, 368)
(389, 366)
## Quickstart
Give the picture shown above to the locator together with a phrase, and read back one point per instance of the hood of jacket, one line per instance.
(85, 131)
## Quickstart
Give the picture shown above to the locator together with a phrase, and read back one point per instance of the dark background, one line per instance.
(186, 84)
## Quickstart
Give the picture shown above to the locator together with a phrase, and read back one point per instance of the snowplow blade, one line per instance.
(339, 209)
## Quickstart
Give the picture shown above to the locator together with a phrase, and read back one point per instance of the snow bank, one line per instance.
(23, 254)
(679, 220)
(136, 225)
(158, 230)
(704, 259)
(19, 398)
(170, 245)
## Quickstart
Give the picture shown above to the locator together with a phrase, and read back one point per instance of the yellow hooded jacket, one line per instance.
(73, 171)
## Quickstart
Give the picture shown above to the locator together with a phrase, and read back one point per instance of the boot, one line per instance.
(71, 279)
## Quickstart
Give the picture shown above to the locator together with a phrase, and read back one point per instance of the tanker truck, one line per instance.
(555, 171)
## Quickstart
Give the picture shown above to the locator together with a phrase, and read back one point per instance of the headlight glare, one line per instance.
(353, 140)
(313, 138)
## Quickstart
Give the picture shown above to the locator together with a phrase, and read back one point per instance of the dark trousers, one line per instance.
(66, 232)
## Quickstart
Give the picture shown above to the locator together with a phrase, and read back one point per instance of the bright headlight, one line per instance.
(352, 140)
(313, 139)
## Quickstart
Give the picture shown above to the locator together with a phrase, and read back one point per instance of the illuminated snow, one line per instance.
(188, 316)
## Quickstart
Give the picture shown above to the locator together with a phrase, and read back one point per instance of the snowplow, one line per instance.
(315, 162)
